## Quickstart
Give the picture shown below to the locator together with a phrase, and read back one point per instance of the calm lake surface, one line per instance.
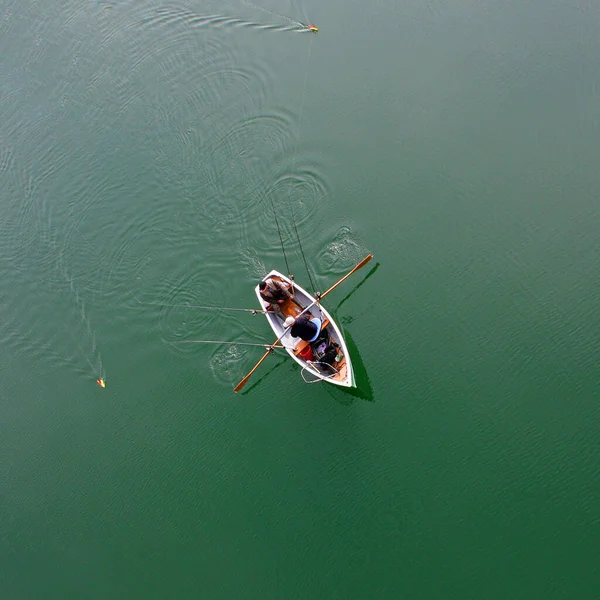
(145, 150)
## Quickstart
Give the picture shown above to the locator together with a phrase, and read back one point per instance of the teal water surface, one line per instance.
(145, 150)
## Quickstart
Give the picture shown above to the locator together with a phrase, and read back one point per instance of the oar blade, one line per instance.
(243, 382)
(363, 262)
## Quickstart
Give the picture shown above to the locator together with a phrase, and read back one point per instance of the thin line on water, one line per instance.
(300, 118)
(295, 156)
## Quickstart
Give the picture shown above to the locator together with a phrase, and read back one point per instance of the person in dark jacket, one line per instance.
(306, 327)
(274, 292)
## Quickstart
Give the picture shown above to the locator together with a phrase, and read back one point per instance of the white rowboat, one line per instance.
(339, 372)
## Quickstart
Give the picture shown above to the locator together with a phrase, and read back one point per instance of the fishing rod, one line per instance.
(254, 311)
(312, 283)
(281, 240)
(223, 342)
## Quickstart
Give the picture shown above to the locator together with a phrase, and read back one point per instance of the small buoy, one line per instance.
(100, 382)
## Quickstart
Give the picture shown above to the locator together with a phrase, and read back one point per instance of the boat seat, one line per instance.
(303, 343)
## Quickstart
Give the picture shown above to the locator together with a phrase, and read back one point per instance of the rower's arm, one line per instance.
(284, 289)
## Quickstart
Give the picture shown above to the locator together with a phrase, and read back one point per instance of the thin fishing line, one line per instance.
(312, 283)
(281, 240)
(294, 160)
(268, 193)
(272, 12)
(300, 118)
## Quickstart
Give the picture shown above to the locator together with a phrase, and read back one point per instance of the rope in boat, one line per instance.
(324, 375)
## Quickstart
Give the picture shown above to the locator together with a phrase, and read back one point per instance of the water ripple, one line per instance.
(6, 158)
(228, 364)
(152, 146)
(341, 253)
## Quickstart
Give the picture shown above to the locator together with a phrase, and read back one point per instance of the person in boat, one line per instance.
(274, 292)
(306, 327)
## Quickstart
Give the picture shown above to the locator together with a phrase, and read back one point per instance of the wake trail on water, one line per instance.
(170, 16)
(88, 349)
(82, 334)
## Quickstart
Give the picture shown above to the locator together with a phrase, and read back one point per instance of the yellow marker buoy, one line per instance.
(101, 383)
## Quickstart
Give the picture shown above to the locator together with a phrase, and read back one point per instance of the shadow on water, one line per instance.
(363, 389)
(265, 376)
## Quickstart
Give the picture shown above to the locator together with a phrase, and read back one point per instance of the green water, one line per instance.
(143, 147)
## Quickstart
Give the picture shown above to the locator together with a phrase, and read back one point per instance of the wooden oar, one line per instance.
(243, 382)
